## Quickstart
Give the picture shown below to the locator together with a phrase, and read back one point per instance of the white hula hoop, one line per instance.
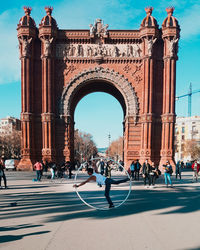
(103, 208)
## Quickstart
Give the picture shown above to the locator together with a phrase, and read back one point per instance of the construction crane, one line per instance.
(189, 95)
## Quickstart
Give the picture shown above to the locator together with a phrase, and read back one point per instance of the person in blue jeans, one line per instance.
(102, 180)
(167, 174)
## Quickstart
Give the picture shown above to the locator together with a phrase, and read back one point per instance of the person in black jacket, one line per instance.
(2, 174)
(145, 172)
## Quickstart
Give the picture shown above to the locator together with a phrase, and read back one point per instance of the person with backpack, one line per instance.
(168, 170)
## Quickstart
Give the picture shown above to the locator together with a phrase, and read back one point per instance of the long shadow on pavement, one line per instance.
(60, 205)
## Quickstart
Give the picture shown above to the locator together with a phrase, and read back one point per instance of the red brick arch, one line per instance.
(59, 67)
(100, 74)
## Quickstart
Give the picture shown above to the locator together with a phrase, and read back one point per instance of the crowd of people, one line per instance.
(149, 172)
(57, 170)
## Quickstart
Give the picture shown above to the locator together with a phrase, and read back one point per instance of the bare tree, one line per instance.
(192, 148)
(84, 146)
(116, 149)
(10, 146)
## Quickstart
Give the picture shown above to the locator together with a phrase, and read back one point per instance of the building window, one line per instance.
(183, 130)
(183, 137)
(182, 147)
(193, 128)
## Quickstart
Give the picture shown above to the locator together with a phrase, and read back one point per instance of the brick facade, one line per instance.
(59, 67)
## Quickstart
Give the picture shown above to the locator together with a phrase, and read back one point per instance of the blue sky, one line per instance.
(99, 113)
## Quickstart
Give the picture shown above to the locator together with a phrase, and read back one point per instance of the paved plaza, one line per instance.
(50, 216)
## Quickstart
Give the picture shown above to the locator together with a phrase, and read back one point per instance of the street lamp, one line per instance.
(109, 137)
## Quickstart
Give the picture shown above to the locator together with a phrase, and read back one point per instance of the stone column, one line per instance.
(149, 34)
(47, 34)
(170, 35)
(68, 151)
(168, 116)
(48, 114)
(27, 116)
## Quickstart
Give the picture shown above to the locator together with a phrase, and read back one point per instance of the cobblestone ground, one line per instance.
(49, 215)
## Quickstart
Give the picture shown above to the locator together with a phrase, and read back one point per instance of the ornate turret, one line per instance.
(47, 31)
(149, 31)
(48, 20)
(27, 20)
(170, 26)
(26, 26)
(149, 20)
(170, 20)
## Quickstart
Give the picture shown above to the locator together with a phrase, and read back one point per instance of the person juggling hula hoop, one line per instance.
(101, 180)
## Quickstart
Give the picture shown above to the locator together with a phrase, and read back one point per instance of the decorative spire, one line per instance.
(27, 10)
(149, 20)
(49, 10)
(149, 10)
(170, 10)
(27, 20)
(170, 20)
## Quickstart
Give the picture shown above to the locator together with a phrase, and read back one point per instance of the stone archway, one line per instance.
(99, 73)
(72, 93)
(56, 64)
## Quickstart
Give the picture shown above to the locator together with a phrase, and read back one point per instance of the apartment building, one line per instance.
(186, 128)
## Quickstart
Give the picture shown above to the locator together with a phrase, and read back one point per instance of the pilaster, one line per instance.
(47, 35)
(26, 34)
(170, 35)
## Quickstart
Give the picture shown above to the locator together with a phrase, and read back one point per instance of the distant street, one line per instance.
(49, 215)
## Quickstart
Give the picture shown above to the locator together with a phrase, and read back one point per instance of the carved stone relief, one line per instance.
(47, 45)
(95, 50)
(150, 43)
(172, 46)
(98, 28)
(25, 42)
(125, 88)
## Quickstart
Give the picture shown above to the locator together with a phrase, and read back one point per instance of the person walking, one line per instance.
(137, 169)
(167, 174)
(132, 169)
(38, 168)
(108, 169)
(53, 170)
(68, 166)
(101, 165)
(2, 174)
(102, 180)
(145, 172)
(196, 168)
(178, 169)
(152, 175)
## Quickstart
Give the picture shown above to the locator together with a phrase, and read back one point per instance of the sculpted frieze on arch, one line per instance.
(104, 74)
(71, 51)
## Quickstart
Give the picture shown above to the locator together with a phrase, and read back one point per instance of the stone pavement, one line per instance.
(50, 216)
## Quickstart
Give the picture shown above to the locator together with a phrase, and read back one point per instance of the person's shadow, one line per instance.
(9, 238)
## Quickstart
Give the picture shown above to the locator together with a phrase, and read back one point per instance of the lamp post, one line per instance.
(109, 137)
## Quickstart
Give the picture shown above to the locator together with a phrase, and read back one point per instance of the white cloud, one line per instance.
(189, 22)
